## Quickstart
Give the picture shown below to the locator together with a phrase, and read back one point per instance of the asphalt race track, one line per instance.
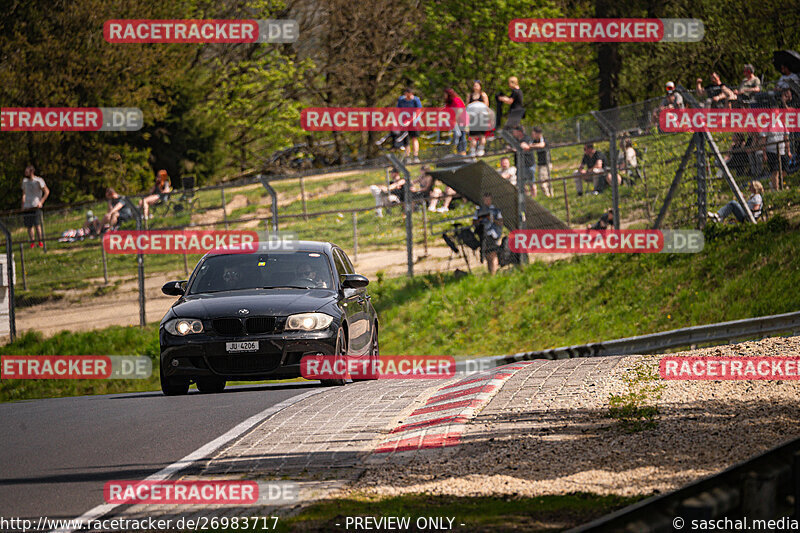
(57, 453)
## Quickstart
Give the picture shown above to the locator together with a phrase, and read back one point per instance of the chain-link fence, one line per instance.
(647, 178)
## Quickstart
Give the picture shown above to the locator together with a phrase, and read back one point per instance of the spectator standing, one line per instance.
(516, 111)
(542, 162)
(451, 100)
(717, 95)
(777, 153)
(408, 100)
(592, 167)
(755, 202)
(527, 168)
(34, 194)
(750, 84)
(477, 135)
(672, 99)
(488, 222)
(788, 80)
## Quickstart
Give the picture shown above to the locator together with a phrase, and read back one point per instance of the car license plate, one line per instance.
(246, 346)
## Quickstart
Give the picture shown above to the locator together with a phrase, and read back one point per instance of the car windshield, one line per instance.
(302, 270)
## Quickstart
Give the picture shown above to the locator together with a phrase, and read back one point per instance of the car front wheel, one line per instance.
(374, 353)
(174, 386)
(341, 353)
(210, 385)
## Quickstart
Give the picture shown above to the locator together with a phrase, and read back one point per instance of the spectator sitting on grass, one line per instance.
(755, 203)
(605, 221)
(508, 171)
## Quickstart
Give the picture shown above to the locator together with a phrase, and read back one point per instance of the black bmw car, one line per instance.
(253, 316)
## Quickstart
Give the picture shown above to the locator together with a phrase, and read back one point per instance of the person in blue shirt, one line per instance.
(409, 100)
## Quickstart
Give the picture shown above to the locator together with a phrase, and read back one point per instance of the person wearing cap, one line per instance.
(159, 193)
(750, 83)
(673, 99)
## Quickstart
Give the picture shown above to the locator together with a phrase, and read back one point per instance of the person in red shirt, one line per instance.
(452, 100)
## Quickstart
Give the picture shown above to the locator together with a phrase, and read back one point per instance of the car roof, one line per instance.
(305, 246)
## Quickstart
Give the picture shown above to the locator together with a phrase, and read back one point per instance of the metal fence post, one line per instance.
(303, 198)
(700, 146)
(40, 216)
(612, 155)
(140, 265)
(274, 195)
(409, 211)
(12, 330)
(425, 229)
(22, 267)
(224, 207)
(105, 264)
(355, 236)
(522, 175)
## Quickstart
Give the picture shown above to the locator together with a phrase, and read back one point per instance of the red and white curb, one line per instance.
(443, 418)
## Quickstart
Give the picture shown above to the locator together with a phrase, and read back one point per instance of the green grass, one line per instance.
(115, 340)
(744, 271)
(489, 514)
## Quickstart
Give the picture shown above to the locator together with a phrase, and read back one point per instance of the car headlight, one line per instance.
(184, 326)
(308, 321)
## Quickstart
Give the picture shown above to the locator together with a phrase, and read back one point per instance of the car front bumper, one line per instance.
(278, 355)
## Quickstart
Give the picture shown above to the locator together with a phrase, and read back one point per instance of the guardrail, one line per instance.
(765, 488)
(655, 342)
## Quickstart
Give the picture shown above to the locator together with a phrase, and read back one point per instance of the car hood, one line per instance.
(277, 302)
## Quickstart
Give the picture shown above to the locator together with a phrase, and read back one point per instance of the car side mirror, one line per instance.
(174, 288)
(354, 281)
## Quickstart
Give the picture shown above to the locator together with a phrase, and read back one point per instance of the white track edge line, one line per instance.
(200, 453)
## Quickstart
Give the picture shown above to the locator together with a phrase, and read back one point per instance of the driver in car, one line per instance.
(230, 277)
(308, 276)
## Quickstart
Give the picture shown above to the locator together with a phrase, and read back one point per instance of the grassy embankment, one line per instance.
(744, 271)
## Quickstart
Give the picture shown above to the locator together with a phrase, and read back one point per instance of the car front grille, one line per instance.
(228, 326)
(244, 364)
(254, 325)
(260, 324)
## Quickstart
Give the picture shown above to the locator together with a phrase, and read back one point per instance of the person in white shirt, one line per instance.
(508, 171)
(34, 194)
